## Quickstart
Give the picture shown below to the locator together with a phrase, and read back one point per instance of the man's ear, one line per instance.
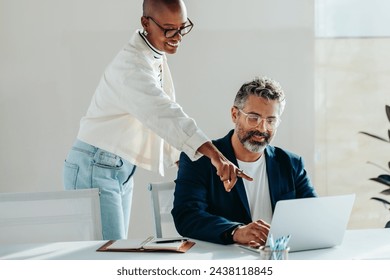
(234, 113)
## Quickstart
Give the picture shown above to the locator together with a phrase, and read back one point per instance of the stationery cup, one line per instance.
(266, 253)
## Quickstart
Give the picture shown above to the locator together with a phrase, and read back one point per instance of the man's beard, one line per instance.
(252, 145)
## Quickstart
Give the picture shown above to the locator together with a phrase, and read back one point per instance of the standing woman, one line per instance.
(134, 120)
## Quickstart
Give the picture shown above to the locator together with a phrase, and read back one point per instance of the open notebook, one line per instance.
(150, 244)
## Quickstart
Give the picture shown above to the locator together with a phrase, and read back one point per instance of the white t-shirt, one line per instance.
(257, 191)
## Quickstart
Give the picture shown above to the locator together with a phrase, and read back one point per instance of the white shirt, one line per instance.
(132, 111)
(257, 191)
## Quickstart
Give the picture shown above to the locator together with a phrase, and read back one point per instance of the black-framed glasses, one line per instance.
(254, 120)
(172, 32)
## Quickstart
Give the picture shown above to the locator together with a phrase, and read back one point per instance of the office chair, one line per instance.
(162, 203)
(50, 216)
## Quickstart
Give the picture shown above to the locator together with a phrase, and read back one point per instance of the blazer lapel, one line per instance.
(242, 196)
(227, 150)
(273, 173)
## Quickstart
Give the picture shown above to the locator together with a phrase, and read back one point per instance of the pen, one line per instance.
(171, 240)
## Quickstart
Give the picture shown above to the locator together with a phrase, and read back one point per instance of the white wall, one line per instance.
(53, 53)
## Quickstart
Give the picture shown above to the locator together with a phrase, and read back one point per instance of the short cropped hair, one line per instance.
(261, 87)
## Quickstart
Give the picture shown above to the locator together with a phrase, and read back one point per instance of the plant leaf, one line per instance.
(385, 192)
(374, 136)
(388, 112)
(384, 201)
(383, 179)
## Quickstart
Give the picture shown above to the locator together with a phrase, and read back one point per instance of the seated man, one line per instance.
(204, 210)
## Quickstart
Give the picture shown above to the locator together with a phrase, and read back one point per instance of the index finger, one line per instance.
(229, 184)
(263, 226)
(243, 175)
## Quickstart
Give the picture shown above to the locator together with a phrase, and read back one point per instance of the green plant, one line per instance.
(382, 178)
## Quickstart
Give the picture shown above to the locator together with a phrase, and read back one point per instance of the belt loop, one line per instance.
(85, 146)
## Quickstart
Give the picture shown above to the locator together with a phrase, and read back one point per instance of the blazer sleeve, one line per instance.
(303, 185)
(197, 193)
(287, 176)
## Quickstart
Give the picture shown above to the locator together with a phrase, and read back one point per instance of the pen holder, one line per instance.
(266, 253)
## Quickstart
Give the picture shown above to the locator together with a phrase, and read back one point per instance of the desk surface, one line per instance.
(357, 244)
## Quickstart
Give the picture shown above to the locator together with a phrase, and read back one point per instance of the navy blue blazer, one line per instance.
(203, 210)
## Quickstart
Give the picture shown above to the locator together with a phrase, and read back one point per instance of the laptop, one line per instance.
(312, 223)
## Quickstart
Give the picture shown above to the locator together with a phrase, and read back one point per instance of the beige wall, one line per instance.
(352, 88)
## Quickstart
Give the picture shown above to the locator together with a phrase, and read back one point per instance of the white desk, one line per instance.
(357, 244)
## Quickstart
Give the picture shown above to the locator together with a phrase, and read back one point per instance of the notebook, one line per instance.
(150, 244)
(312, 223)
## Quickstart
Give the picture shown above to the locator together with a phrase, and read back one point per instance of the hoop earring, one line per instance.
(145, 33)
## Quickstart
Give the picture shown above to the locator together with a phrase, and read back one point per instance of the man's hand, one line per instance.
(253, 234)
(227, 171)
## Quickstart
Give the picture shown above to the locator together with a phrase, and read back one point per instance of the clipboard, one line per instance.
(150, 244)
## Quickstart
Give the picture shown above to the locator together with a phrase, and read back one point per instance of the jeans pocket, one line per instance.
(108, 160)
(71, 171)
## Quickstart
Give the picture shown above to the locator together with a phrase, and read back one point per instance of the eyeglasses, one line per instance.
(254, 120)
(169, 33)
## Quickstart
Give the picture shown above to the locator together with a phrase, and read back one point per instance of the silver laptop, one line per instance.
(312, 223)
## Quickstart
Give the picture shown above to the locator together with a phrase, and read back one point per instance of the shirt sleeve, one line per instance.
(139, 93)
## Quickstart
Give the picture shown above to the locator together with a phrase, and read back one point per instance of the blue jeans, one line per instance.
(87, 166)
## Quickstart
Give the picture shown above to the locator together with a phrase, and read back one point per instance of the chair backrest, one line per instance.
(162, 203)
(55, 216)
